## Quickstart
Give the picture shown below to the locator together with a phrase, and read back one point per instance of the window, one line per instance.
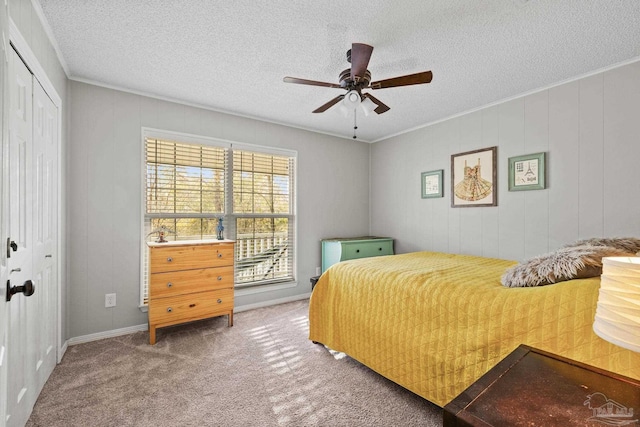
(262, 206)
(185, 187)
(189, 183)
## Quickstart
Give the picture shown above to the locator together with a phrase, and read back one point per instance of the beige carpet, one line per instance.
(261, 372)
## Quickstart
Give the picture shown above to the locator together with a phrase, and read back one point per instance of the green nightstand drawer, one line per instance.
(362, 249)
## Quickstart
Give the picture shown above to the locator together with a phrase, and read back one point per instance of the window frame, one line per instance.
(229, 215)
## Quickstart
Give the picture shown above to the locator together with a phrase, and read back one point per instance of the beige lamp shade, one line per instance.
(618, 310)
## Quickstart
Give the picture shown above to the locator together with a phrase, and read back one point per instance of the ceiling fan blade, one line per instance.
(411, 79)
(329, 104)
(382, 107)
(309, 82)
(360, 56)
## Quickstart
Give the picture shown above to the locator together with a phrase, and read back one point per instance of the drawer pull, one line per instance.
(169, 309)
(357, 251)
(169, 259)
(379, 249)
(169, 285)
(219, 301)
(219, 277)
(219, 255)
(191, 305)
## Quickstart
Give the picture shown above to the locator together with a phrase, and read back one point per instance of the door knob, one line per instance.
(27, 289)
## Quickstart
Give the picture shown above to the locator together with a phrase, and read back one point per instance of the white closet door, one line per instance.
(20, 382)
(32, 226)
(45, 214)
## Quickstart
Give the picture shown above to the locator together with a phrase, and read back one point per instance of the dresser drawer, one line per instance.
(189, 281)
(354, 250)
(174, 258)
(185, 308)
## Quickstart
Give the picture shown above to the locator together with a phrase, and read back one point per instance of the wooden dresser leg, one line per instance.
(152, 335)
(231, 318)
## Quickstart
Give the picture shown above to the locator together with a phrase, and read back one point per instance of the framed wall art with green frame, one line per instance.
(527, 172)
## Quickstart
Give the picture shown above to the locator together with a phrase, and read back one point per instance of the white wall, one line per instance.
(590, 129)
(104, 202)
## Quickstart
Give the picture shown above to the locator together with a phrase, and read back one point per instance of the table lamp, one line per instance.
(618, 311)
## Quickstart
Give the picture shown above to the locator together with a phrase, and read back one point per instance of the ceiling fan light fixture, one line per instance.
(368, 106)
(351, 100)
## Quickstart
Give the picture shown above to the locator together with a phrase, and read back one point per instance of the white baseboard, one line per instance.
(132, 329)
(246, 307)
(107, 334)
(63, 350)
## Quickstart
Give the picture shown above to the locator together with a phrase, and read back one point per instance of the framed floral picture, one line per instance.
(432, 184)
(527, 172)
(474, 178)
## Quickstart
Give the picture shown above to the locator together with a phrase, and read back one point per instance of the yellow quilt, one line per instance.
(434, 322)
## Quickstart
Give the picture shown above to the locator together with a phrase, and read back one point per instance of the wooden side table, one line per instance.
(531, 387)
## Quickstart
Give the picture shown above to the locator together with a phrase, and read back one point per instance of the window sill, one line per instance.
(264, 288)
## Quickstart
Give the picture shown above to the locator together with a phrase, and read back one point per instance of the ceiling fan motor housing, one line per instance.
(347, 83)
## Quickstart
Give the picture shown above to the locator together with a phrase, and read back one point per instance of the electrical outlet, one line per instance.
(318, 271)
(110, 300)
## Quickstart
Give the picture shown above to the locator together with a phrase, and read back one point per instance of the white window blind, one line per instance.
(185, 181)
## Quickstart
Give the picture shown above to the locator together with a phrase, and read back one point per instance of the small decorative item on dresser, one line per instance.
(161, 232)
(189, 280)
(220, 229)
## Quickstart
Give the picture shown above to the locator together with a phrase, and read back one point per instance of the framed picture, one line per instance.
(527, 172)
(432, 184)
(474, 178)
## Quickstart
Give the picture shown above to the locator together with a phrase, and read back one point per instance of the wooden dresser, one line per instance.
(189, 280)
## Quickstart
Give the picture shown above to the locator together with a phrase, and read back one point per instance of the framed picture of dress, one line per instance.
(474, 178)
(527, 172)
(432, 184)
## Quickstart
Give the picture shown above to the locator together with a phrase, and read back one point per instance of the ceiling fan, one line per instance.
(357, 78)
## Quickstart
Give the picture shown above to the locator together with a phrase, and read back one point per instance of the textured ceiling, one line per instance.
(232, 55)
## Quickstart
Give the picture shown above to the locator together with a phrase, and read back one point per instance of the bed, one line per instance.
(435, 322)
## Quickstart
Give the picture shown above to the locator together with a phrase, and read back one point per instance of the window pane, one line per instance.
(184, 178)
(262, 249)
(186, 228)
(257, 180)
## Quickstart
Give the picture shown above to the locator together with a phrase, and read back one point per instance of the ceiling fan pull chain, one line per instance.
(355, 124)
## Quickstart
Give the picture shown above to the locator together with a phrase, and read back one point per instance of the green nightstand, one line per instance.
(344, 248)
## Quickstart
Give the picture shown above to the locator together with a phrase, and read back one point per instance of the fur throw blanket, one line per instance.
(572, 262)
